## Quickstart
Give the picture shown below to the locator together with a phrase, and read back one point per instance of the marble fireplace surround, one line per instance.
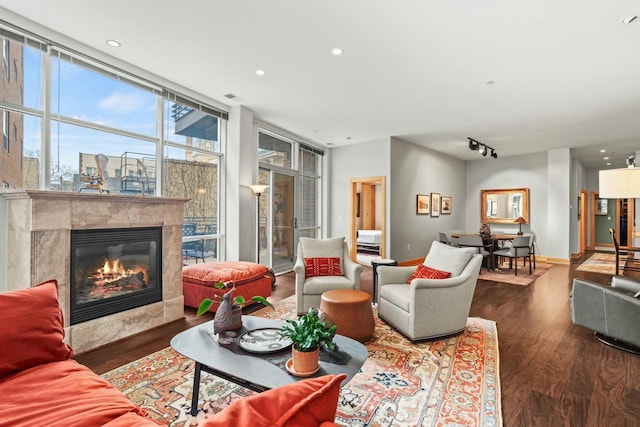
(36, 247)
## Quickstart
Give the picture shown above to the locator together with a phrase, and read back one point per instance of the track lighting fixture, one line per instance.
(482, 148)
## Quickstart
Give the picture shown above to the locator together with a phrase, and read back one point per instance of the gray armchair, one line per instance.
(430, 308)
(612, 312)
(310, 289)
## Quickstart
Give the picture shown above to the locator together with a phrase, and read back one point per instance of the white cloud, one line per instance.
(124, 103)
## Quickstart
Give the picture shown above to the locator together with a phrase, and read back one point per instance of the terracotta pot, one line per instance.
(305, 361)
(236, 318)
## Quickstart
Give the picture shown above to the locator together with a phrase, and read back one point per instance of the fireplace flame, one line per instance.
(114, 271)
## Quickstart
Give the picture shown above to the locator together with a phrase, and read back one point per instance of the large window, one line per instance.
(104, 125)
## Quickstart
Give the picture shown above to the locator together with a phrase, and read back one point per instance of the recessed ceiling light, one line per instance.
(608, 163)
(490, 82)
(260, 72)
(603, 151)
(337, 51)
(629, 19)
(605, 158)
(113, 43)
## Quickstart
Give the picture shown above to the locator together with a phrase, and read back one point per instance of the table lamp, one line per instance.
(520, 221)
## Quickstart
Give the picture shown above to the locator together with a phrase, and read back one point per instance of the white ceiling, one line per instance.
(566, 73)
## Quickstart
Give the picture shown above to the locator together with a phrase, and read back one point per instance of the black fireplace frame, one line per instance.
(95, 309)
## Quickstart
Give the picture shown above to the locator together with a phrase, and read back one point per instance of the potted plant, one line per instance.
(307, 333)
(237, 303)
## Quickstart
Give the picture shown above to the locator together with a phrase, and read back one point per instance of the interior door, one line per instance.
(284, 221)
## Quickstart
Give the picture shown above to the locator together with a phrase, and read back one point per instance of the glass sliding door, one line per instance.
(284, 221)
(290, 207)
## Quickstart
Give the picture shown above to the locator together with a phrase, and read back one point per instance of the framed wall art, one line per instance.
(446, 205)
(422, 204)
(435, 204)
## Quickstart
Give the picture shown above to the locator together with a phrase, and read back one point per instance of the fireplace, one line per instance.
(114, 270)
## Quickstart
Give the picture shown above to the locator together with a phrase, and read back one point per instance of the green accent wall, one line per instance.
(603, 223)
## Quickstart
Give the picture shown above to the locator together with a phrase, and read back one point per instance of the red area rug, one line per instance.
(454, 381)
(505, 275)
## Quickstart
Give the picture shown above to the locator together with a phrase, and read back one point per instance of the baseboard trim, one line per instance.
(411, 262)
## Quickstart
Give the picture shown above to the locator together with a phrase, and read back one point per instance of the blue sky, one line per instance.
(86, 95)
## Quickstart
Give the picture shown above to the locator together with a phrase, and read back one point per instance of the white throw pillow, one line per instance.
(447, 258)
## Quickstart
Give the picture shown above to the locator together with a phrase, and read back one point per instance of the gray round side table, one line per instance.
(374, 264)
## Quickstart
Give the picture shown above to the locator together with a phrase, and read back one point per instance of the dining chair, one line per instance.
(520, 248)
(444, 238)
(623, 253)
(475, 241)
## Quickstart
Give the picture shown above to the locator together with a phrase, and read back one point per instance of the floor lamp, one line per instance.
(258, 189)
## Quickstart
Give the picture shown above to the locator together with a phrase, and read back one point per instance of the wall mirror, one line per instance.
(504, 205)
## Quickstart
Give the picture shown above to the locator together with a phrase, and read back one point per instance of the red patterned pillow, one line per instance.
(424, 272)
(322, 267)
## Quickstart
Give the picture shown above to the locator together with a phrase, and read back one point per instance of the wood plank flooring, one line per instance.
(552, 373)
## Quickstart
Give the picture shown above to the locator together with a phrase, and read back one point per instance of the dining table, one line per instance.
(496, 240)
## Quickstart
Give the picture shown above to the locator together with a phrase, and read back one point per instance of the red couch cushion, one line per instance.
(32, 328)
(322, 267)
(424, 272)
(64, 394)
(209, 273)
(309, 402)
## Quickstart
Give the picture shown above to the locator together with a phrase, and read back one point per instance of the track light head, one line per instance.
(481, 148)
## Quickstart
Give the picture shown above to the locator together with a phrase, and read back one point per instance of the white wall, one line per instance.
(364, 160)
(241, 159)
(418, 170)
(528, 171)
(558, 205)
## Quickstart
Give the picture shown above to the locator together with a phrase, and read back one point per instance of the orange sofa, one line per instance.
(40, 384)
(250, 279)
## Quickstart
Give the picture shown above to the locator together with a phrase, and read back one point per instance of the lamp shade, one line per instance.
(520, 220)
(619, 183)
(258, 188)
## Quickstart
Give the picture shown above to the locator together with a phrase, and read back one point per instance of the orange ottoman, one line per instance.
(351, 311)
(251, 279)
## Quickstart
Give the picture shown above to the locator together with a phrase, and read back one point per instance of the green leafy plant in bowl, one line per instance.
(237, 302)
(308, 331)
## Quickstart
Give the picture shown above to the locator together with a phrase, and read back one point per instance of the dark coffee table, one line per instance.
(255, 371)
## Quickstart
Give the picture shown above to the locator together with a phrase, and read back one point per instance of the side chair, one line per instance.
(630, 263)
(313, 278)
(520, 248)
(475, 241)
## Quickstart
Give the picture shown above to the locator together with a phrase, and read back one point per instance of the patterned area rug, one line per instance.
(454, 381)
(505, 275)
(604, 263)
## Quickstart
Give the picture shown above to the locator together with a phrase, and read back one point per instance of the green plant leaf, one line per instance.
(219, 285)
(239, 301)
(263, 300)
(204, 306)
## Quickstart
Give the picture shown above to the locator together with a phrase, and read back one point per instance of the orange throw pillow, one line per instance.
(307, 402)
(32, 328)
(424, 272)
(322, 267)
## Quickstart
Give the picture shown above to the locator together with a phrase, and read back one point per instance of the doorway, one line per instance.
(368, 212)
(618, 214)
(583, 221)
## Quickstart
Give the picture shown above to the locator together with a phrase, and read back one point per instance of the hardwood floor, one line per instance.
(552, 373)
